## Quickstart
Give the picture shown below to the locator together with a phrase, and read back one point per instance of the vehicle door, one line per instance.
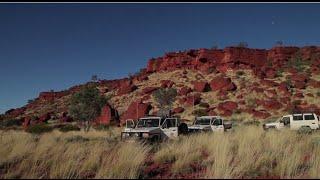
(311, 121)
(297, 121)
(170, 127)
(284, 122)
(217, 124)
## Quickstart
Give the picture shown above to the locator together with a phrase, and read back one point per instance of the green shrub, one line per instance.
(297, 62)
(237, 111)
(204, 105)
(39, 128)
(200, 112)
(86, 105)
(318, 93)
(251, 102)
(304, 130)
(279, 73)
(10, 123)
(102, 127)
(250, 123)
(69, 127)
(239, 73)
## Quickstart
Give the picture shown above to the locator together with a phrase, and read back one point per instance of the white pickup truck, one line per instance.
(295, 122)
(209, 123)
(154, 128)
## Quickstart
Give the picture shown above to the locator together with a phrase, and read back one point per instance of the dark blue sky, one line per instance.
(55, 46)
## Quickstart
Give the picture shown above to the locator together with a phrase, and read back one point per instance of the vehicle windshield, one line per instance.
(148, 123)
(202, 121)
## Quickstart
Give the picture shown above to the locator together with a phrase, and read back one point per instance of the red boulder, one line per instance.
(200, 86)
(272, 105)
(107, 115)
(166, 83)
(193, 100)
(228, 105)
(126, 87)
(178, 110)
(222, 84)
(135, 110)
(149, 90)
(184, 91)
(261, 114)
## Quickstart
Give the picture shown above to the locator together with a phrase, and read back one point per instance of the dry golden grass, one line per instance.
(70, 155)
(245, 151)
(248, 152)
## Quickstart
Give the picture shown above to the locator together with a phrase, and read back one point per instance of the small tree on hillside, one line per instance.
(243, 44)
(165, 98)
(86, 105)
(279, 43)
(94, 78)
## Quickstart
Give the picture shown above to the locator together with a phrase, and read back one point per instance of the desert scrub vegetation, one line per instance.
(69, 155)
(39, 128)
(247, 152)
(244, 152)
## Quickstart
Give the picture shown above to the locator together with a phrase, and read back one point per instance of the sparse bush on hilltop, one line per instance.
(279, 43)
(86, 105)
(298, 63)
(242, 44)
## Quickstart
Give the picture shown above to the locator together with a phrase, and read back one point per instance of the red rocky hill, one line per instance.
(235, 82)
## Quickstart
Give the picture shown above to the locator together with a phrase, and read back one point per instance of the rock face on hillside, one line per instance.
(108, 114)
(135, 110)
(276, 82)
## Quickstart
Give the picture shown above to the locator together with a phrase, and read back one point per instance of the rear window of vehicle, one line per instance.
(309, 117)
(297, 118)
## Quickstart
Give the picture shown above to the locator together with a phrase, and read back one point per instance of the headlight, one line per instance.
(136, 134)
(145, 135)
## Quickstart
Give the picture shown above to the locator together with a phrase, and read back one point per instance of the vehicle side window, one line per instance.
(286, 120)
(217, 122)
(297, 117)
(309, 117)
(169, 123)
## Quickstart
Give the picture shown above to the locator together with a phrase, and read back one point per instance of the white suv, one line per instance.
(295, 122)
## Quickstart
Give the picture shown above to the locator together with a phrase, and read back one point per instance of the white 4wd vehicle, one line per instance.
(209, 123)
(295, 122)
(154, 128)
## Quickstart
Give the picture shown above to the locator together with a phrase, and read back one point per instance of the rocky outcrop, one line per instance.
(108, 114)
(148, 90)
(45, 117)
(135, 110)
(126, 87)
